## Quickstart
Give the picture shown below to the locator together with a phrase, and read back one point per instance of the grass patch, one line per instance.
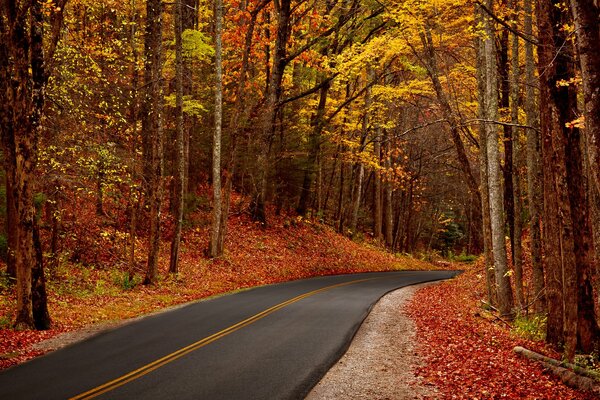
(530, 327)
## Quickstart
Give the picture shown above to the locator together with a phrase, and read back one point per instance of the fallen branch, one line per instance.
(570, 374)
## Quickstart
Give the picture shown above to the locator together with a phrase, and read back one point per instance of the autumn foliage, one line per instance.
(471, 357)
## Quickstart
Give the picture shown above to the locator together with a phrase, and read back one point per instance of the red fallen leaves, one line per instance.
(16, 340)
(468, 357)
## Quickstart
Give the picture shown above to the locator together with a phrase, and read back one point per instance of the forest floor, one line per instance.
(464, 354)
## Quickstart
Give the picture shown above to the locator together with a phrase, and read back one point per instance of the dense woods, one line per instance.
(448, 127)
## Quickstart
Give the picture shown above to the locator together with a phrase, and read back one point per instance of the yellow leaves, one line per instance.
(574, 81)
(576, 123)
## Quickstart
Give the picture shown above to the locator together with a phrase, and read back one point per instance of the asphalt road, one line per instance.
(272, 342)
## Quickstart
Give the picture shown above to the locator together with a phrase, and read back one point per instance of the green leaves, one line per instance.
(196, 45)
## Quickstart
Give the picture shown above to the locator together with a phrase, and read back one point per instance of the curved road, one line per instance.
(272, 342)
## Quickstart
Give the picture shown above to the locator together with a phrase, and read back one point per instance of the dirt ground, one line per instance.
(381, 361)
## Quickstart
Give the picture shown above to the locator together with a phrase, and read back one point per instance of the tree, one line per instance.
(585, 13)
(504, 289)
(180, 145)
(534, 171)
(24, 74)
(571, 317)
(214, 250)
(152, 126)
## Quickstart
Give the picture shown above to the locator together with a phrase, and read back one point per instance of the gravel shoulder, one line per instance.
(381, 360)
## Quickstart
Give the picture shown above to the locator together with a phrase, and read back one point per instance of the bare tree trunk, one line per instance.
(517, 248)
(388, 192)
(179, 142)
(508, 170)
(505, 295)
(269, 120)
(483, 172)
(153, 129)
(534, 166)
(216, 168)
(378, 206)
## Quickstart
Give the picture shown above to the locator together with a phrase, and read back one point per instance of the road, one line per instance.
(271, 342)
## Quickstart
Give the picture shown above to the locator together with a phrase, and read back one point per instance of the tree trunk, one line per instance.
(558, 229)
(12, 222)
(153, 129)
(269, 120)
(216, 167)
(585, 13)
(314, 149)
(179, 142)
(505, 295)
(388, 192)
(449, 115)
(503, 76)
(23, 78)
(534, 167)
(483, 172)
(517, 249)
(377, 200)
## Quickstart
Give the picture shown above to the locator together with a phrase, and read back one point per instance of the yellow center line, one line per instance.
(135, 374)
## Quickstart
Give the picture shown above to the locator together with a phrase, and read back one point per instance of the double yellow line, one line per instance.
(122, 380)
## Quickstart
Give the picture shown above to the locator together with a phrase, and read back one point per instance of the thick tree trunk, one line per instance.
(555, 109)
(505, 295)
(23, 77)
(153, 129)
(534, 167)
(585, 13)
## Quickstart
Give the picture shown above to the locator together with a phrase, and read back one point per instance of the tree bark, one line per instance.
(585, 13)
(388, 193)
(179, 141)
(216, 167)
(23, 78)
(504, 289)
(555, 105)
(269, 120)
(483, 172)
(534, 165)
(517, 248)
(153, 129)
